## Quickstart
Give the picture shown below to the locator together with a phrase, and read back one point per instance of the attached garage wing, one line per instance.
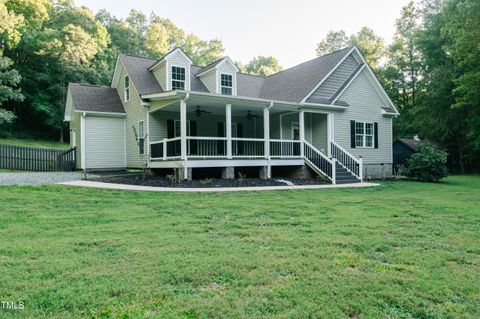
(104, 142)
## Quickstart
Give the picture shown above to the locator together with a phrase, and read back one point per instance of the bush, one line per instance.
(428, 164)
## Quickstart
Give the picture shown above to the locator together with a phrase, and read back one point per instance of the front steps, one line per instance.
(343, 176)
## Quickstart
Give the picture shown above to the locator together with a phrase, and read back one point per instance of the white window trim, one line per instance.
(364, 135)
(227, 87)
(126, 88)
(171, 76)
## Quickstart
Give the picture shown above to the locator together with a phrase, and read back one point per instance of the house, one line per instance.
(403, 148)
(329, 115)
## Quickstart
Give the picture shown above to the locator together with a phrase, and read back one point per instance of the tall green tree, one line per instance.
(334, 40)
(400, 74)
(371, 45)
(261, 65)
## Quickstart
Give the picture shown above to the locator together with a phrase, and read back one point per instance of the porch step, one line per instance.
(343, 176)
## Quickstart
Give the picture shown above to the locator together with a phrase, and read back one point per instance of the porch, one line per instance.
(200, 132)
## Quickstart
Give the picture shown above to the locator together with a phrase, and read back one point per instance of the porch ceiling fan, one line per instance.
(199, 111)
(251, 116)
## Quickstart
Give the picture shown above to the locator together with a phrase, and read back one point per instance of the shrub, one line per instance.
(428, 164)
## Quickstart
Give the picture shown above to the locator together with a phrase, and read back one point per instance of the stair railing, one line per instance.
(351, 163)
(317, 160)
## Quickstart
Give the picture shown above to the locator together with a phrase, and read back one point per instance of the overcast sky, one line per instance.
(286, 29)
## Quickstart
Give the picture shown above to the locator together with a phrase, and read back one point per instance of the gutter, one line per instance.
(182, 93)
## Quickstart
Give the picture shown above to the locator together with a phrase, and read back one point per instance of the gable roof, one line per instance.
(138, 70)
(94, 98)
(296, 83)
(410, 143)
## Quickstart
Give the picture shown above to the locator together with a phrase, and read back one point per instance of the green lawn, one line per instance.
(34, 143)
(401, 250)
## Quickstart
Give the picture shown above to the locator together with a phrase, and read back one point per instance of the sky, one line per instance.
(286, 29)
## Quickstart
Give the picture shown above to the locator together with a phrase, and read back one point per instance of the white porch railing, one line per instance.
(203, 147)
(285, 148)
(351, 163)
(248, 147)
(167, 148)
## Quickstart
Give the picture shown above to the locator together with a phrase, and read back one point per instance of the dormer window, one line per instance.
(226, 84)
(178, 78)
(127, 88)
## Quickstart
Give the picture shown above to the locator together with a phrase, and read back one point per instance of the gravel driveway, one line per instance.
(39, 178)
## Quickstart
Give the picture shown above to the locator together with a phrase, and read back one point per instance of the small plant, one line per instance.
(428, 164)
(241, 177)
(206, 181)
(398, 172)
(322, 179)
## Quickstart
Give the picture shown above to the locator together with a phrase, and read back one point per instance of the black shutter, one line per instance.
(352, 134)
(240, 135)
(141, 146)
(171, 147)
(375, 132)
(193, 132)
(170, 129)
(220, 144)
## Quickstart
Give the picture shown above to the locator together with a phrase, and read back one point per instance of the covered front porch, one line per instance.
(201, 131)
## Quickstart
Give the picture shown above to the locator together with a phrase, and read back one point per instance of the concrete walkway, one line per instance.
(38, 178)
(91, 184)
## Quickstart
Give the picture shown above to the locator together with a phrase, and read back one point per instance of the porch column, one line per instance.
(329, 133)
(183, 129)
(301, 126)
(266, 131)
(228, 129)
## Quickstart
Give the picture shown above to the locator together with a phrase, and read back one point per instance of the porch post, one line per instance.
(266, 137)
(329, 133)
(228, 128)
(183, 129)
(266, 131)
(183, 136)
(301, 124)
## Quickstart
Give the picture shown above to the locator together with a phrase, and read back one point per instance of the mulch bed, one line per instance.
(160, 181)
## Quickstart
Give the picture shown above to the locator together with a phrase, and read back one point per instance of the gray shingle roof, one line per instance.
(95, 98)
(210, 66)
(295, 83)
(143, 79)
(290, 85)
(410, 143)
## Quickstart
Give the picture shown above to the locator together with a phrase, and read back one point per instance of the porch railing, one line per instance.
(166, 148)
(248, 147)
(285, 148)
(206, 146)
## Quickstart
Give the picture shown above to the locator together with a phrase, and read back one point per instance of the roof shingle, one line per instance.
(95, 98)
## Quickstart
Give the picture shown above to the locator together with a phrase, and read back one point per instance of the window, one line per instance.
(141, 137)
(177, 128)
(226, 84)
(127, 88)
(178, 78)
(364, 134)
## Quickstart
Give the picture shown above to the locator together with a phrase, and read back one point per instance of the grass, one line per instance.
(401, 250)
(34, 143)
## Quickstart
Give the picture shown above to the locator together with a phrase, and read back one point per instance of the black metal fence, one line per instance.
(28, 158)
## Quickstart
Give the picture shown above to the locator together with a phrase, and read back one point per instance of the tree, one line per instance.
(371, 45)
(335, 40)
(9, 91)
(402, 69)
(157, 40)
(262, 65)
